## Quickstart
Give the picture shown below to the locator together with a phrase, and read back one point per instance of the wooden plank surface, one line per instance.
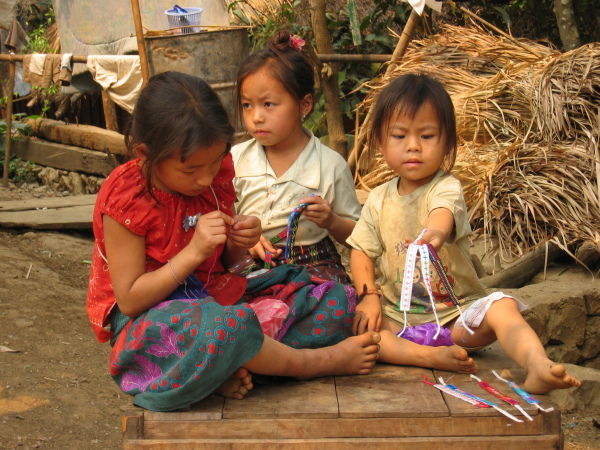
(390, 408)
(445, 443)
(47, 202)
(209, 409)
(390, 391)
(372, 428)
(314, 399)
(72, 212)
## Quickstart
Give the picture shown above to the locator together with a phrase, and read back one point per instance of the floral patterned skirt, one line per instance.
(185, 347)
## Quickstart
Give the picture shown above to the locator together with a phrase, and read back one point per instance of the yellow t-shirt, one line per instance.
(388, 220)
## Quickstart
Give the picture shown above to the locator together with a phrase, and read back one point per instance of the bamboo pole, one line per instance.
(139, 34)
(9, 108)
(323, 57)
(401, 46)
(12, 57)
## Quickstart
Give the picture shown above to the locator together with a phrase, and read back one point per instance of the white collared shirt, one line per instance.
(317, 170)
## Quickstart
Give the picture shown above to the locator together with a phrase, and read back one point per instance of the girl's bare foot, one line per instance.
(352, 356)
(543, 378)
(453, 359)
(400, 351)
(237, 385)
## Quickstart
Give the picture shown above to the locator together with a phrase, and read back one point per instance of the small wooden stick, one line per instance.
(29, 271)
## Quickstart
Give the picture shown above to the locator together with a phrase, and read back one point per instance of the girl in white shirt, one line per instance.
(284, 165)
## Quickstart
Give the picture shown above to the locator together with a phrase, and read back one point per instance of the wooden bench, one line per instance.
(389, 409)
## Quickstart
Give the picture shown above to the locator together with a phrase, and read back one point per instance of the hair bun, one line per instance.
(280, 42)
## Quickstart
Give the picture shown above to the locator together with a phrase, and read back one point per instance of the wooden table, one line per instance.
(389, 409)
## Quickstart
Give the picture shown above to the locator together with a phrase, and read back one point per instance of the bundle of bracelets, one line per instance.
(289, 234)
(468, 397)
(496, 393)
(428, 255)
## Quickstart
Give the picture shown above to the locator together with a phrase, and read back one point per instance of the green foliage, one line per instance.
(266, 24)
(376, 39)
(18, 126)
(38, 40)
(19, 171)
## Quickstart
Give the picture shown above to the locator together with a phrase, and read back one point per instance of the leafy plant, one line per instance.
(376, 39)
(18, 126)
(19, 171)
(38, 39)
(265, 23)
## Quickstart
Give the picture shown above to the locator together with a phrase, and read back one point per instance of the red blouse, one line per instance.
(124, 197)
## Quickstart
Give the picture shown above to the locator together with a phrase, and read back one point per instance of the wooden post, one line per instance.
(139, 33)
(9, 108)
(329, 81)
(110, 113)
(401, 46)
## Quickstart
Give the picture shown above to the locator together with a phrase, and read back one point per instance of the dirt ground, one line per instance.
(55, 390)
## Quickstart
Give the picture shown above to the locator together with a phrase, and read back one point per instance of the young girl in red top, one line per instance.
(165, 234)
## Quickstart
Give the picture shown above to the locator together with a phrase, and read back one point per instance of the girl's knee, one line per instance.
(484, 335)
(503, 306)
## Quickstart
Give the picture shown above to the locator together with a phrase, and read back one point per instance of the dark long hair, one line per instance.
(284, 63)
(405, 95)
(176, 112)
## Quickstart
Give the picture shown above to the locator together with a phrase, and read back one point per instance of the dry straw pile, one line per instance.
(529, 126)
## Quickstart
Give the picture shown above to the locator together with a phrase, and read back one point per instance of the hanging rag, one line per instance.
(51, 71)
(41, 70)
(33, 67)
(15, 38)
(119, 75)
(66, 69)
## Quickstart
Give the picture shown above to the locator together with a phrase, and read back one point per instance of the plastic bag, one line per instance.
(423, 334)
(270, 313)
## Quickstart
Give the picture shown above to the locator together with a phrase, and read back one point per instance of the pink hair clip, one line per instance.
(297, 42)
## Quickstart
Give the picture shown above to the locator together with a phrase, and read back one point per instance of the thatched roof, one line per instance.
(529, 128)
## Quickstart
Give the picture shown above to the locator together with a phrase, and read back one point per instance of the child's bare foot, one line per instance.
(543, 378)
(352, 356)
(453, 358)
(237, 385)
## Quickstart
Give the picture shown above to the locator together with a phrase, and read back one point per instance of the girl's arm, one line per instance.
(368, 313)
(440, 224)
(135, 289)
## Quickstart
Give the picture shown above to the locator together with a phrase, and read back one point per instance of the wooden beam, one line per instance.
(524, 269)
(86, 136)
(110, 112)
(65, 157)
